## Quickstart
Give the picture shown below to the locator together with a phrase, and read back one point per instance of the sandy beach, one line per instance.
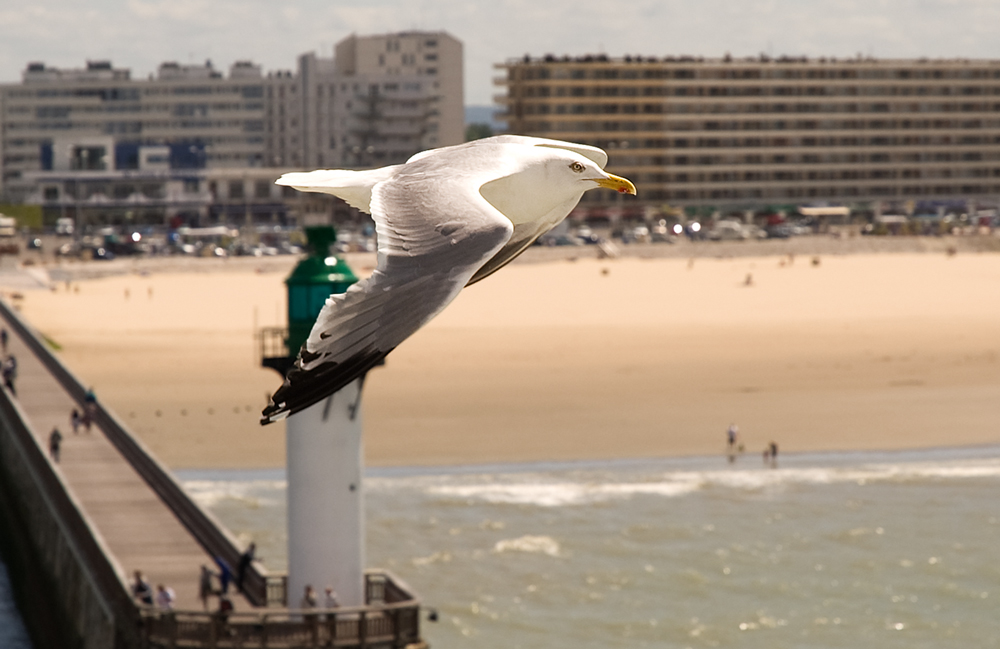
(570, 359)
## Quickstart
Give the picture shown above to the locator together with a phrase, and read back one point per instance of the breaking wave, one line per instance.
(209, 493)
(530, 544)
(542, 491)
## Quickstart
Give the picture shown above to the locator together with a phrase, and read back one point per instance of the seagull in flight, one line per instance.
(444, 219)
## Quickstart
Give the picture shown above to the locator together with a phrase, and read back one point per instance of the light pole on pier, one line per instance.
(324, 447)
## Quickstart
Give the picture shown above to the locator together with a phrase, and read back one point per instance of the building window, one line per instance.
(89, 158)
(236, 189)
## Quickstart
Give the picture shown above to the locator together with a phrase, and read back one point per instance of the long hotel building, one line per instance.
(745, 133)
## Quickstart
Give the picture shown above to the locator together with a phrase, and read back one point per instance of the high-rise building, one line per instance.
(96, 140)
(751, 132)
(381, 99)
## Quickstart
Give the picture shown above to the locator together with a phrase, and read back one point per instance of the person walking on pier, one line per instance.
(205, 585)
(245, 560)
(225, 575)
(9, 371)
(165, 597)
(55, 440)
(3, 339)
(141, 590)
(330, 600)
(308, 602)
(89, 408)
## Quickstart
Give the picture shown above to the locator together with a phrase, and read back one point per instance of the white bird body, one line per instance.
(446, 218)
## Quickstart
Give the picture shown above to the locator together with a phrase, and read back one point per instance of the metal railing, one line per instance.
(391, 618)
(272, 342)
(393, 626)
(381, 587)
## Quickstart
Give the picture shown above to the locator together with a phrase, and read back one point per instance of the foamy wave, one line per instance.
(560, 493)
(514, 489)
(531, 544)
(209, 493)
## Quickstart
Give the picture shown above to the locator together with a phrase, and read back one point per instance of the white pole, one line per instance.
(325, 499)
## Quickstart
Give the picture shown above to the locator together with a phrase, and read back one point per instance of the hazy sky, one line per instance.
(140, 34)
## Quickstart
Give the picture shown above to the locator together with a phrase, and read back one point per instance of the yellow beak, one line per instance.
(617, 183)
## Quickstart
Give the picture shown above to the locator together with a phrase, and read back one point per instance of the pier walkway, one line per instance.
(138, 528)
(116, 510)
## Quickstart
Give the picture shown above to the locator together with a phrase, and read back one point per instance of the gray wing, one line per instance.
(434, 231)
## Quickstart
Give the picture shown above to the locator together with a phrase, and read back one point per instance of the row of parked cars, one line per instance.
(665, 232)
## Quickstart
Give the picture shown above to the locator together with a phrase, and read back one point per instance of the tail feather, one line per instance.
(355, 187)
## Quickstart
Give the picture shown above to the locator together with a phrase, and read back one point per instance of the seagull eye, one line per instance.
(577, 167)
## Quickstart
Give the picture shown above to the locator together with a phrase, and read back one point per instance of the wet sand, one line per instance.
(561, 360)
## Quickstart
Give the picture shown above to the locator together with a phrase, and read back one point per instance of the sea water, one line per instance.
(840, 550)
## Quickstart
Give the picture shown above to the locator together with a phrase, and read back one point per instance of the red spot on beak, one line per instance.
(621, 190)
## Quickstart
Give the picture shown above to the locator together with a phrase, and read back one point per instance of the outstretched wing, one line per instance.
(434, 231)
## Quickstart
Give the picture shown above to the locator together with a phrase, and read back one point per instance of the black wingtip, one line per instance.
(304, 388)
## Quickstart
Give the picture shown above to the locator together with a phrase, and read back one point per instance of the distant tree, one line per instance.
(477, 132)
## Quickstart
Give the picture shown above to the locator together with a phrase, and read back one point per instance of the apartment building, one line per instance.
(96, 139)
(746, 133)
(381, 99)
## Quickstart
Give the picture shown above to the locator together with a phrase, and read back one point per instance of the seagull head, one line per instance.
(547, 181)
(590, 171)
(572, 170)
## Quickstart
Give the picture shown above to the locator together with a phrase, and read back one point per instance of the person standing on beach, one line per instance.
(3, 339)
(732, 435)
(773, 453)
